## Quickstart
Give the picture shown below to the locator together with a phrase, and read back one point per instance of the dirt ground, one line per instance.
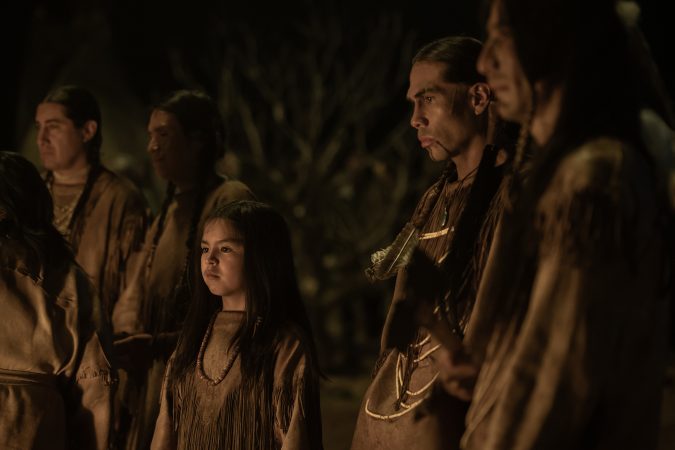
(340, 401)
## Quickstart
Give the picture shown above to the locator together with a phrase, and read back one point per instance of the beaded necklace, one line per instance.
(63, 214)
(200, 358)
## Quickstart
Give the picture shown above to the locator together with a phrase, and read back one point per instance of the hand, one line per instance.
(457, 373)
(134, 352)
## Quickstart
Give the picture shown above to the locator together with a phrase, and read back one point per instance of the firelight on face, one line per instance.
(222, 259)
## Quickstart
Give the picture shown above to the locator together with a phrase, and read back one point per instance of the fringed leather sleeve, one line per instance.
(592, 328)
(296, 398)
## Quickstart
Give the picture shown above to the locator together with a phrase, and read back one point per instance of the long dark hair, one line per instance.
(584, 48)
(199, 118)
(273, 300)
(460, 55)
(80, 106)
(26, 230)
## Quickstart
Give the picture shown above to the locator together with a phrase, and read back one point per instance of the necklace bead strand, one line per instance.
(200, 358)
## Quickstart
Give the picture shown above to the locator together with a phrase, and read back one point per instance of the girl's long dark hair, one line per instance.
(26, 232)
(273, 301)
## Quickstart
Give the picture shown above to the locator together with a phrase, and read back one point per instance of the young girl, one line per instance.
(245, 373)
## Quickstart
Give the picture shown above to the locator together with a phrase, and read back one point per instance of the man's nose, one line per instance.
(417, 119)
(486, 59)
(42, 135)
(153, 146)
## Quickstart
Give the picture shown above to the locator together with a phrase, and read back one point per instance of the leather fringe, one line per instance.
(247, 418)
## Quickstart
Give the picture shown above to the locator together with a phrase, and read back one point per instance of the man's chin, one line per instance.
(161, 172)
(49, 165)
(437, 155)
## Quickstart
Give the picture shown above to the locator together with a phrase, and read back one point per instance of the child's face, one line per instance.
(222, 259)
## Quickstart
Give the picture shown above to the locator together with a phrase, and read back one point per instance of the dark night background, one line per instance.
(313, 98)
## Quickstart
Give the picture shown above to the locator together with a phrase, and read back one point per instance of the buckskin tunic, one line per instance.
(55, 379)
(580, 363)
(399, 414)
(196, 415)
(108, 231)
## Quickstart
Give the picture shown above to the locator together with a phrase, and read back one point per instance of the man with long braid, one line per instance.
(186, 140)
(452, 226)
(102, 215)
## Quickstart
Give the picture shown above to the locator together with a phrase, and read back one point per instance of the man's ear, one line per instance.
(480, 96)
(89, 130)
